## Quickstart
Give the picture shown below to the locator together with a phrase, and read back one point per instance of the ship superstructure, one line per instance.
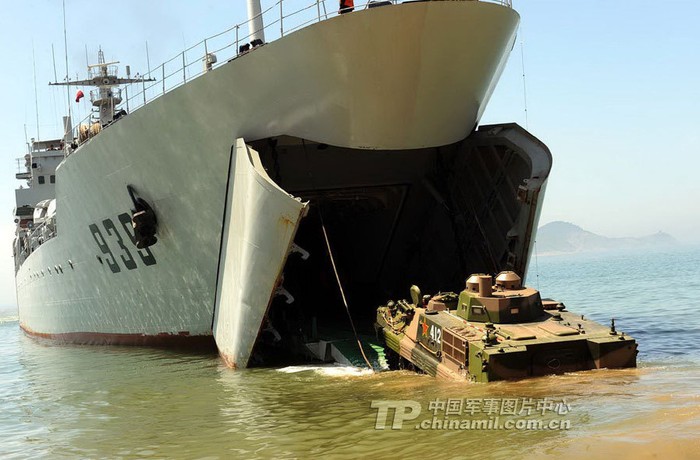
(196, 216)
(35, 204)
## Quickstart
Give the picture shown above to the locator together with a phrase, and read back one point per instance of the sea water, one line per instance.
(80, 401)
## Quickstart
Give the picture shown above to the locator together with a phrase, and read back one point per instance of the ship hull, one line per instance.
(402, 77)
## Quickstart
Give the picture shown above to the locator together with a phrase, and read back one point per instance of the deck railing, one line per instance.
(221, 48)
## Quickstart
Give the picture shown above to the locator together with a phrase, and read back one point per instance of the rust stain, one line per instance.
(285, 221)
(228, 361)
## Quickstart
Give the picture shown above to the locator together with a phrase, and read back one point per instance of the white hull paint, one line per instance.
(401, 77)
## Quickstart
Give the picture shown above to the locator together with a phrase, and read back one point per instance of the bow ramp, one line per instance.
(259, 225)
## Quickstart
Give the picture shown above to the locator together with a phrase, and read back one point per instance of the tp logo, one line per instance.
(403, 411)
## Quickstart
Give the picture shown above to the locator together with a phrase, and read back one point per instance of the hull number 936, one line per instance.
(113, 246)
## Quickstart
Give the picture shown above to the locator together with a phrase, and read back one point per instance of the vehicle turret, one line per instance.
(505, 302)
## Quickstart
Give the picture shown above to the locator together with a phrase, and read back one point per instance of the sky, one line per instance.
(611, 87)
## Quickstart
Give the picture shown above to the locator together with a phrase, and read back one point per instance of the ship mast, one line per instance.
(107, 97)
(255, 21)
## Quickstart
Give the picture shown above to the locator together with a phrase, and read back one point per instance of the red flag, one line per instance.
(79, 95)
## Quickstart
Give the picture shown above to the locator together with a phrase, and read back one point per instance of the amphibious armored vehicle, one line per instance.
(495, 332)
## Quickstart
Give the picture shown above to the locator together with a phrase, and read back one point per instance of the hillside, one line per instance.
(566, 238)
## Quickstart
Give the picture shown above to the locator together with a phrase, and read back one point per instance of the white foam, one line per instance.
(331, 370)
(9, 319)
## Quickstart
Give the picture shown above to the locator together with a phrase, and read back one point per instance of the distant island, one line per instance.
(565, 238)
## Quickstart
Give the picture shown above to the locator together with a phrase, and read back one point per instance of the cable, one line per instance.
(342, 293)
(537, 268)
(522, 62)
(335, 270)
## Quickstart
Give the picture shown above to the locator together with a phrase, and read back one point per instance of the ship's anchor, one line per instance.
(143, 219)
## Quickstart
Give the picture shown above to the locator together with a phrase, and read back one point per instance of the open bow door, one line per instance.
(258, 230)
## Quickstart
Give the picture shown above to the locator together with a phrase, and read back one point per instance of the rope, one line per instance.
(335, 270)
(342, 292)
(522, 62)
(537, 268)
